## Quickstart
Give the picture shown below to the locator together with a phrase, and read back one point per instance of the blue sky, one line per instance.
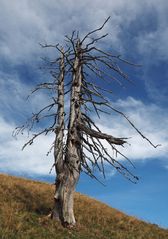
(139, 31)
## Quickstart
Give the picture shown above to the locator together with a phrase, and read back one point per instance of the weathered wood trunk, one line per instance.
(64, 197)
(68, 166)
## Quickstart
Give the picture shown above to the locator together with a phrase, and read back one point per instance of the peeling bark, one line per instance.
(58, 147)
(68, 169)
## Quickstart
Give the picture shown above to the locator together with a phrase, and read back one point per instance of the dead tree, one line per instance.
(78, 145)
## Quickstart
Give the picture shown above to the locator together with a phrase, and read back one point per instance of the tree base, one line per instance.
(70, 224)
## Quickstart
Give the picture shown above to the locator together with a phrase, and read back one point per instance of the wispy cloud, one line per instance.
(137, 29)
(13, 96)
(28, 22)
(150, 119)
(14, 111)
(32, 160)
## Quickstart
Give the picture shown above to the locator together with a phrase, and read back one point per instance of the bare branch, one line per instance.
(30, 142)
(100, 135)
(138, 131)
(98, 29)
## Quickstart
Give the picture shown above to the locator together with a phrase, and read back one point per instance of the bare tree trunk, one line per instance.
(58, 147)
(64, 197)
(68, 170)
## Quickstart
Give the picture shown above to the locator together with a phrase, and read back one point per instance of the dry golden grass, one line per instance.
(25, 204)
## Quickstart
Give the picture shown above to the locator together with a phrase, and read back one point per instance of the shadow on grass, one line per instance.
(33, 202)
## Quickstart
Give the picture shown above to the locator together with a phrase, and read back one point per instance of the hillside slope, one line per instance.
(24, 205)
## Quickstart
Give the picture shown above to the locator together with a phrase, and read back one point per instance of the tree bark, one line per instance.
(68, 168)
(64, 197)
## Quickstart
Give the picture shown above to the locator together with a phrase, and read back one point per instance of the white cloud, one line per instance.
(32, 159)
(110, 172)
(137, 29)
(13, 97)
(25, 23)
(150, 119)
(151, 46)
(153, 43)
(14, 111)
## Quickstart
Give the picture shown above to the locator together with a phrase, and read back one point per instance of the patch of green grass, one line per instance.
(25, 204)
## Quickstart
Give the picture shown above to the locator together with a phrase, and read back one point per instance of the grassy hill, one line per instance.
(24, 205)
